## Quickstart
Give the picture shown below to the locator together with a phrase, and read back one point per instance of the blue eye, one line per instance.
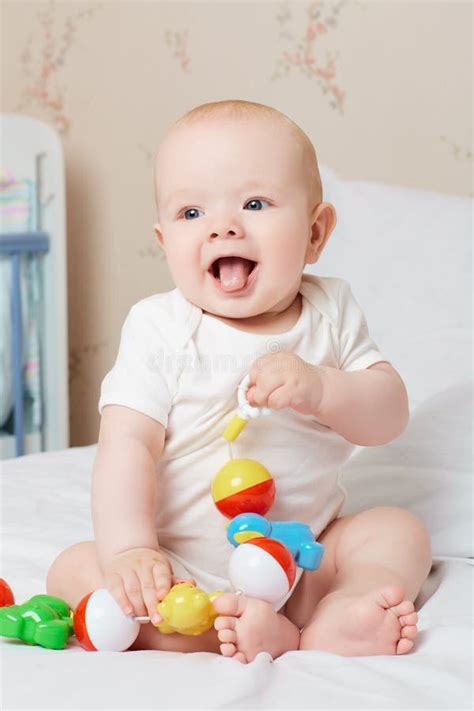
(257, 203)
(193, 210)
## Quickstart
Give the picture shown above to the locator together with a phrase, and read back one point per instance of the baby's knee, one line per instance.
(384, 523)
(399, 519)
(391, 518)
(74, 573)
(398, 523)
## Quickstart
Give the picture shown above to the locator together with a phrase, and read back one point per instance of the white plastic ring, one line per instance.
(246, 410)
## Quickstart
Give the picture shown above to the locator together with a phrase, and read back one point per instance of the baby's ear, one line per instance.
(323, 222)
(159, 234)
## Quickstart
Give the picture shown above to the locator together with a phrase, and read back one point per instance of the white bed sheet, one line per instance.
(46, 507)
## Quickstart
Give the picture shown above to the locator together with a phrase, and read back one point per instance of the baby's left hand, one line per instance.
(280, 380)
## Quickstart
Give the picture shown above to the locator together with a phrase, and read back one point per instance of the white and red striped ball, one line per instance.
(262, 568)
(101, 626)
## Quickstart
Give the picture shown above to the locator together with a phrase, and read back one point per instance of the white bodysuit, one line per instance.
(182, 368)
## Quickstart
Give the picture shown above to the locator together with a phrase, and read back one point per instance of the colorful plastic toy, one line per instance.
(263, 563)
(43, 620)
(6, 594)
(101, 626)
(297, 537)
(262, 568)
(243, 485)
(187, 609)
(245, 413)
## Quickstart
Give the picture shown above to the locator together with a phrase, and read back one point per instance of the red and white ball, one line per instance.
(262, 568)
(6, 594)
(101, 626)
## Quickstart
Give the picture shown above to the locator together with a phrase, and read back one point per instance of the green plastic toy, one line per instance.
(42, 620)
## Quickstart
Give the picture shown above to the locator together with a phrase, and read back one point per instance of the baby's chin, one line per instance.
(254, 306)
(232, 310)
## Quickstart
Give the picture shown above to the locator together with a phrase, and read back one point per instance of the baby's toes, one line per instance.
(228, 649)
(411, 619)
(409, 632)
(404, 646)
(404, 608)
(229, 604)
(224, 623)
(226, 635)
(240, 657)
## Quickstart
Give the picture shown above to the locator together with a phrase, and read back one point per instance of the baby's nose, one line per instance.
(235, 231)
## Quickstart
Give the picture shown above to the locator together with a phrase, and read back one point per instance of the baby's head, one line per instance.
(217, 165)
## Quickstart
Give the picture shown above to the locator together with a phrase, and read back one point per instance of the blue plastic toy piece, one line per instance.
(297, 537)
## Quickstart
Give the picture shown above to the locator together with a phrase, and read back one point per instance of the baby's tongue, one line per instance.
(233, 272)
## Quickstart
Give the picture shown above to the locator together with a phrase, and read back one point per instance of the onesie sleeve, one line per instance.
(139, 378)
(357, 350)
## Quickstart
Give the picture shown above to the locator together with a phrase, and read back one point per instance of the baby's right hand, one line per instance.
(138, 579)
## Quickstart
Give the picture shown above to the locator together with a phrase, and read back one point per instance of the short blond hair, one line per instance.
(241, 110)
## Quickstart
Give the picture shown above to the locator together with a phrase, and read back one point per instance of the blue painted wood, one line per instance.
(17, 347)
(23, 242)
(14, 245)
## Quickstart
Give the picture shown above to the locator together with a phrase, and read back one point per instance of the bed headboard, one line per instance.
(32, 151)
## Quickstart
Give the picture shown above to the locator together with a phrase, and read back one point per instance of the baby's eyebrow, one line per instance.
(263, 187)
(178, 194)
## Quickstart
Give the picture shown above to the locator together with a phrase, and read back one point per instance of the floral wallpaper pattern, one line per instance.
(43, 60)
(457, 151)
(78, 359)
(177, 43)
(317, 60)
(306, 52)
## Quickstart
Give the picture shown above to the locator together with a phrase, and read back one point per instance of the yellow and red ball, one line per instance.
(243, 486)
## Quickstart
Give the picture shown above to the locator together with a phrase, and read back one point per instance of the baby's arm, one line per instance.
(124, 495)
(367, 407)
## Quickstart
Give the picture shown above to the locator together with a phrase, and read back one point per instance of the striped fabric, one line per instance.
(18, 214)
(17, 203)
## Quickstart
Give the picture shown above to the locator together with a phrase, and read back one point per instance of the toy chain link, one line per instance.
(245, 413)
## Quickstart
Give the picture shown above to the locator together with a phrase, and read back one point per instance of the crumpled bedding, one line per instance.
(45, 507)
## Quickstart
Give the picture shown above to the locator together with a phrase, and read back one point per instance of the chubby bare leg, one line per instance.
(247, 626)
(361, 602)
(76, 572)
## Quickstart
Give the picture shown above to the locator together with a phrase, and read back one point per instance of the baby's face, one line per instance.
(234, 215)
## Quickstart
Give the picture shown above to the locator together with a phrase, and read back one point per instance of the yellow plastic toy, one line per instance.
(245, 413)
(187, 609)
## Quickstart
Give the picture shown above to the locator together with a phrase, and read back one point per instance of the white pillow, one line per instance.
(407, 255)
(427, 470)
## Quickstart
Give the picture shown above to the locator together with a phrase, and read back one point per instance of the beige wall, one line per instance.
(382, 88)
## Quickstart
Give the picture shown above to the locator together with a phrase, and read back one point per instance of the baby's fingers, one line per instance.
(150, 596)
(250, 395)
(116, 588)
(191, 581)
(134, 591)
(162, 575)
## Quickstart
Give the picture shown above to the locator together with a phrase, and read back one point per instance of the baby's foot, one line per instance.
(247, 626)
(379, 622)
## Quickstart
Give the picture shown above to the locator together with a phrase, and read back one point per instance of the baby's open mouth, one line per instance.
(232, 273)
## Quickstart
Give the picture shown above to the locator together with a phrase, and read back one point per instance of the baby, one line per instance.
(243, 305)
